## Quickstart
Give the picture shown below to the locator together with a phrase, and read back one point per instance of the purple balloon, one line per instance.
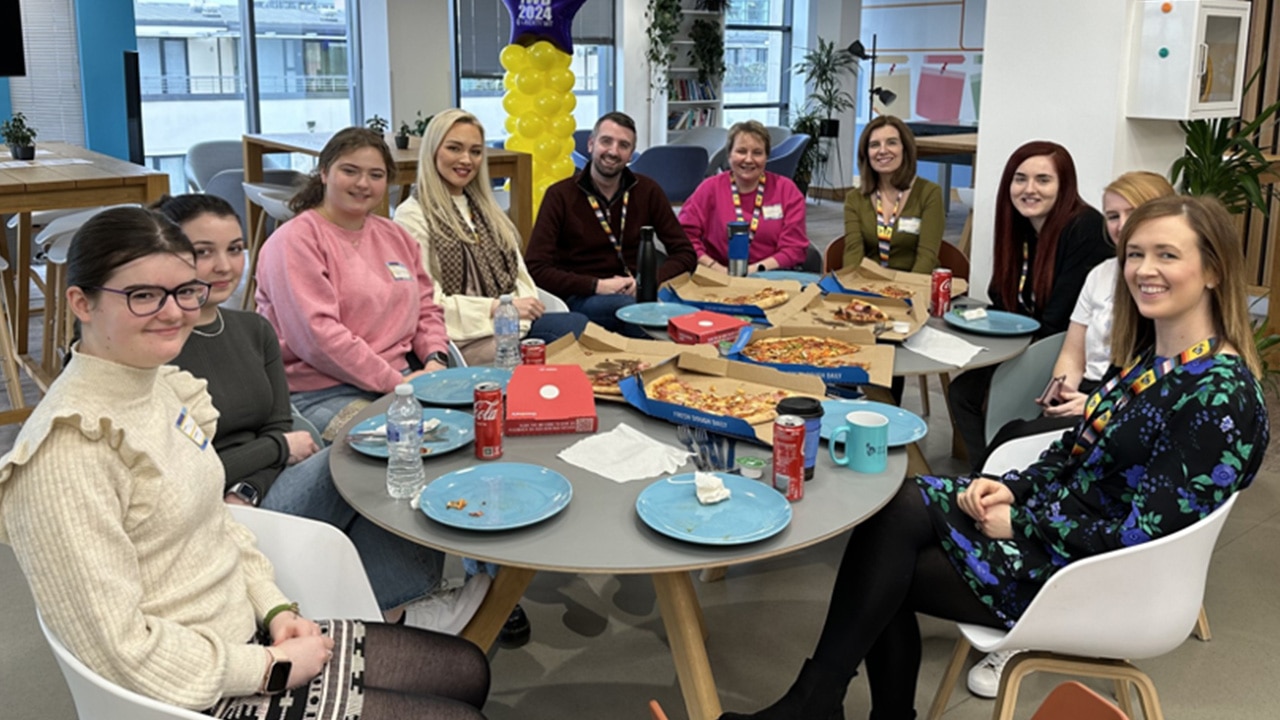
(550, 20)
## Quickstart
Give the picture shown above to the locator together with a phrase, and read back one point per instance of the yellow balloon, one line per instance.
(514, 57)
(509, 81)
(563, 59)
(531, 80)
(569, 101)
(548, 150)
(563, 125)
(520, 143)
(549, 103)
(531, 125)
(543, 55)
(567, 146)
(511, 124)
(562, 168)
(517, 103)
(561, 79)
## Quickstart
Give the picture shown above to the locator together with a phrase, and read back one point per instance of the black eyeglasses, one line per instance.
(145, 300)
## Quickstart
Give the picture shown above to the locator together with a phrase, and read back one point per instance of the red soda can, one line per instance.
(788, 456)
(533, 352)
(940, 292)
(488, 411)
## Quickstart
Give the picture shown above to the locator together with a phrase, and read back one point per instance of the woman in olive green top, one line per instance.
(894, 218)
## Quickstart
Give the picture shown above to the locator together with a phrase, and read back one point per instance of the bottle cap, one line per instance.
(504, 297)
(404, 389)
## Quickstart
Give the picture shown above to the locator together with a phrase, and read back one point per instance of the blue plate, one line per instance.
(508, 495)
(997, 322)
(754, 512)
(653, 314)
(456, 429)
(804, 278)
(456, 386)
(904, 427)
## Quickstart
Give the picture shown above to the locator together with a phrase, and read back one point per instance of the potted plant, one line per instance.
(823, 68)
(664, 18)
(420, 124)
(402, 137)
(19, 136)
(808, 122)
(378, 124)
(708, 50)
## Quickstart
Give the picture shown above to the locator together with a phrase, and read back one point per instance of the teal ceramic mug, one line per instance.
(866, 445)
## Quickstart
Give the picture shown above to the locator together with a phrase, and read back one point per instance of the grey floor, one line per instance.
(598, 648)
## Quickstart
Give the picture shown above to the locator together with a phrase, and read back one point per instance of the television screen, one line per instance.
(12, 60)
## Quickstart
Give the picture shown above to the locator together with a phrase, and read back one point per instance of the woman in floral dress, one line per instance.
(1166, 440)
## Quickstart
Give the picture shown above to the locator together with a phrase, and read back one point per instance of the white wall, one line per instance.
(1066, 86)
(839, 22)
(408, 58)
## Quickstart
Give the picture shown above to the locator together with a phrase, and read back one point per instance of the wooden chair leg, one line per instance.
(1121, 672)
(949, 678)
(12, 375)
(713, 574)
(1123, 697)
(924, 395)
(255, 246)
(1202, 626)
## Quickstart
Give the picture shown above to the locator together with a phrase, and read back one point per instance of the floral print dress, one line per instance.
(1169, 457)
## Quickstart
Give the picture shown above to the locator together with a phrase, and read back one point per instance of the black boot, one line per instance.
(818, 694)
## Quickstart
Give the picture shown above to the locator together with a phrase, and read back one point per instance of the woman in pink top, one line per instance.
(345, 289)
(771, 204)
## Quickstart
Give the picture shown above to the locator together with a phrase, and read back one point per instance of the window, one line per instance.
(757, 48)
(484, 28)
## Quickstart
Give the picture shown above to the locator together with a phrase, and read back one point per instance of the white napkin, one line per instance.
(624, 454)
(943, 347)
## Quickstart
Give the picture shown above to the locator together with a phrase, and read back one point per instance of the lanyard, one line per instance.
(608, 230)
(737, 206)
(1022, 279)
(884, 226)
(1135, 380)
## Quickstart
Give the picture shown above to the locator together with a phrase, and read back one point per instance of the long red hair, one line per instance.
(1012, 229)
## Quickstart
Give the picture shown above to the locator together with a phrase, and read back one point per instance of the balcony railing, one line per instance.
(157, 87)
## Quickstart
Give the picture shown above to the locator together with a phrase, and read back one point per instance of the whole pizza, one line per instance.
(752, 407)
(764, 299)
(803, 350)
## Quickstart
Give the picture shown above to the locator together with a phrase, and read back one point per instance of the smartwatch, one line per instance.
(761, 268)
(276, 679)
(437, 356)
(246, 492)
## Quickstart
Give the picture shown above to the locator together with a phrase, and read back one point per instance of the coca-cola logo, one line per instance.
(488, 410)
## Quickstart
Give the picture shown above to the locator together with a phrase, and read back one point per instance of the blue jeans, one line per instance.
(321, 406)
(554, 326)
(602, 310)
(399, 570)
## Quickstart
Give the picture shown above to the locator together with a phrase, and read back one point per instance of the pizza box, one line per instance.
(878, 358)
(704, 326)
(597, 347)
(725, 376)
(704, 286)
(869, 277)
(819, 312)
(550, 400)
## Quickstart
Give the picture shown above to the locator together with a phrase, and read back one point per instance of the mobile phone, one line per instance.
(1051, 391)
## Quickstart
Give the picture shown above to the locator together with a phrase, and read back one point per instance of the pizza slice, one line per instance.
(764, 299)
(893, 291)
(859, 311)
(607, 374)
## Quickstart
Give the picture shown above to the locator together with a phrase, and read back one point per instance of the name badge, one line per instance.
(187, 426)
(909, 225)
(772, 212)
(400, 272)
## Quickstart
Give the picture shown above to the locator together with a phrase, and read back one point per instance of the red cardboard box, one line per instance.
(704, 326)
(550, 400)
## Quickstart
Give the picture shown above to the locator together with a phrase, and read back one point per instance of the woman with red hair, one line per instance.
(1047, 239)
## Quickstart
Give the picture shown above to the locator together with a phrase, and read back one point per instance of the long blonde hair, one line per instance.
(438, 212)
(1222, 258)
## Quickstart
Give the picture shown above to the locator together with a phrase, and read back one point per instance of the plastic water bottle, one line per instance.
(405, 475)
(506, 332)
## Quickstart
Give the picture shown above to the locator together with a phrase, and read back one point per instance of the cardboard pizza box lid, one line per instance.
(701, 288)
(878, 358)
(597, 345)
(871, 273)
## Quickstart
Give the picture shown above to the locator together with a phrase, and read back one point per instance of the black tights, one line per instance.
(893, 567)
(411, 673)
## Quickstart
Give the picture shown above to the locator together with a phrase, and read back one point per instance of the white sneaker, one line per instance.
(448, 610)
(984, 678)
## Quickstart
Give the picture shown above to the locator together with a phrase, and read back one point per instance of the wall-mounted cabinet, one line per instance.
(1188, 58)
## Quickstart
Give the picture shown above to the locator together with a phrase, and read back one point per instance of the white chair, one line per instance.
(552, 303)
(316, 565)
(206, 159)
(1096, 614)
(1019, 381)
(274, 201)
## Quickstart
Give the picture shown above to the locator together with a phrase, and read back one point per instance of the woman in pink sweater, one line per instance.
(345, 290)
(769, 203)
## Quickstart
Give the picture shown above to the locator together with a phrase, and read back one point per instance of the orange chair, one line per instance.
(1073, 701)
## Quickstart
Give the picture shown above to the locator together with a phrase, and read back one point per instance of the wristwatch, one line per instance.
(440, 357)
(276, 679)
(761, 268)
(246, 492)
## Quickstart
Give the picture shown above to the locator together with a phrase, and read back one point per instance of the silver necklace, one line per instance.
(222, 325)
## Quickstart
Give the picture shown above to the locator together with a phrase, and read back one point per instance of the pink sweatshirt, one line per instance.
(346, 304)
(781, 234)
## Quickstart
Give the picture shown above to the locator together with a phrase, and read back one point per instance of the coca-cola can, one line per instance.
(533, 352)
(940, 292)
(788, 456)
(489, 416)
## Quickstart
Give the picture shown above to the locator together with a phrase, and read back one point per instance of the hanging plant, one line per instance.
(708, 50)
(664, 18)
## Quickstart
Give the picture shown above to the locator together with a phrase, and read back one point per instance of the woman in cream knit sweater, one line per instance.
(112, 500)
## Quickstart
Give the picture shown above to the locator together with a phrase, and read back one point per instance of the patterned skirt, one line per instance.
(337, 693)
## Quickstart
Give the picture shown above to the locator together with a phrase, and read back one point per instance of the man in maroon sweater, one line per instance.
(586, 239)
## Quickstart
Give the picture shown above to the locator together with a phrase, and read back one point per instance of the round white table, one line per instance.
(600, 533)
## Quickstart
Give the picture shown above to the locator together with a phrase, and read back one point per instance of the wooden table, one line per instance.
(93, 180)
(516, 166)
(934, 145)
(600, 533)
